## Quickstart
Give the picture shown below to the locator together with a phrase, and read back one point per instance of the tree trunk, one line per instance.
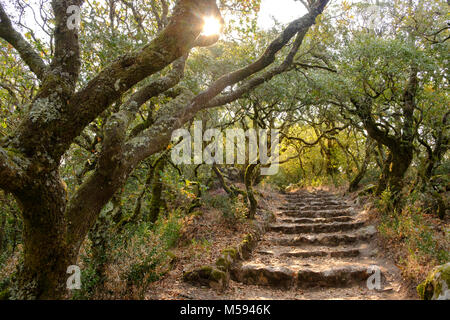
(2, 229)
(394, 170)
(232, 191)
(249, 188)
(357, 179)
(46, 254)
(156, 190)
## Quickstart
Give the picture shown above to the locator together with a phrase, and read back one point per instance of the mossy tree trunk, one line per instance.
(232, 191)
(47, 254)
(401, 148)
(156, 189)
(53, 227)
(248, 179)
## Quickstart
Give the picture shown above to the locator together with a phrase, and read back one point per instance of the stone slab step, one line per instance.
(302, 277)
(316, 213)
(325, 239)
(309, 195)
(317, 220)
(339, 253)
(315, 207)
(317, 228)
(314, 203)
(306, 199)
(307, 252)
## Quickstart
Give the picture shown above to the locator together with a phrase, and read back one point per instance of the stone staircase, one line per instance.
(317, 241)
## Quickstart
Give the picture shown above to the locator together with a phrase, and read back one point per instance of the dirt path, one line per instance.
(320, 247)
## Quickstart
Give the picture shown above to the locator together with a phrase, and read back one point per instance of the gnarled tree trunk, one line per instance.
(248, 179)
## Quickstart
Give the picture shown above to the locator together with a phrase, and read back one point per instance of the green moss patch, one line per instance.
(436, 285)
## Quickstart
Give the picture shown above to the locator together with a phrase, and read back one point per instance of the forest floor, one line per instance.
(321, 246)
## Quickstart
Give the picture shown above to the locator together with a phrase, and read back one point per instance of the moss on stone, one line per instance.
(207, 275)
(232, 252)
(436, 284)
(222, 264)
(226, 259)
(218, 275)
(5, 294)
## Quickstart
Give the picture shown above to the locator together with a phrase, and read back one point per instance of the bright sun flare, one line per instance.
(211, 26)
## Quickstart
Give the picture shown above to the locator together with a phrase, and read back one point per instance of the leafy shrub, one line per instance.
(414, 233)
(233, 209)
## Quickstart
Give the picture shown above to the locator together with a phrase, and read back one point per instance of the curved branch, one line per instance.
(323, 135)
(363, 112)
(268, 57)
(145, 144)
(266, 76)
(25, 50)
(109, 85)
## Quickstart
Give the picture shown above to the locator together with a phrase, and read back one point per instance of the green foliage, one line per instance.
(89, 281)
(136, 257)
(233, 209)
(169, 229)
(145, 269)
(386, 202)
(412, 230)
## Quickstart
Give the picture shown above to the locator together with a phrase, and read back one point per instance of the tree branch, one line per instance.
(66, 60)
(363, 112)
(110, 164)
(322, 135)
(25, 50)
(145, 144)
(76, 111)
(170, 44)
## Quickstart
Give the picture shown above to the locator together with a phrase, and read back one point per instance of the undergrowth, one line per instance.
(418, 240)
(137, 257)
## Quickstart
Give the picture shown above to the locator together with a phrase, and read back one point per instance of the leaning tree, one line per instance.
(56, 223)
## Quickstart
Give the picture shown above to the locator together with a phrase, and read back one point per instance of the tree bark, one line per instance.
(248, 179)
(156, 189)
(46, 252)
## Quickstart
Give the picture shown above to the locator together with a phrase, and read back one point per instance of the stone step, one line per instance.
(317, 220)
(313, 198)
(314, 208)
(307, 252)
(324, 239)
(317, 228)
(338, 275)
(315, 203)
(339, 253)
(316, 213)
(335, 277)
(308, 200)
(310, 195)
